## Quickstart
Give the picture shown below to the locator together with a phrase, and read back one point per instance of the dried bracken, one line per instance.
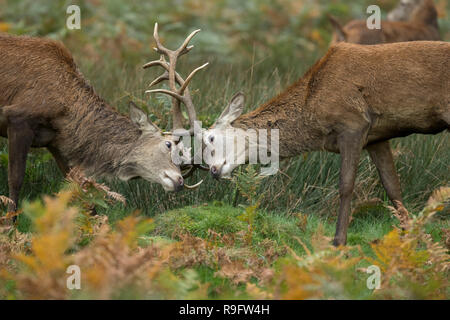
(112, 263)
(324, 272)
(77, 177)
(219, 252)
(402, 215)
(123, 261)
(5, 200)
(410, 259)
(5, 221)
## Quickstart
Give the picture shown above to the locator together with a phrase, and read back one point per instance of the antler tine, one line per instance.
(192, 115)
(184, 48)
(161, 62)
(182, 92)
(186, 99)
(159, 47)
(164, 76)
(193, 186)
(190, 76)
(186, 174)
(170, 93)
(191, 168)
(176, 109)
(164, 64)
(172, 55)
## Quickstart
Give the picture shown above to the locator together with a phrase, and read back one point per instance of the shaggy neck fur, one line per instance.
(291, 114)
(100, 137)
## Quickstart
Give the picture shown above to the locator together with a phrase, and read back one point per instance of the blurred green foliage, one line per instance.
(279, 32)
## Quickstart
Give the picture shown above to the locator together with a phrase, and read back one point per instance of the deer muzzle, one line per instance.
(172, 181)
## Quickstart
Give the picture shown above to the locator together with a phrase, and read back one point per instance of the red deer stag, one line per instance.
(356, 97)
(46, 102)
(417, 21)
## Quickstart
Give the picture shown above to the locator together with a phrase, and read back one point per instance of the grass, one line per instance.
(199, 221)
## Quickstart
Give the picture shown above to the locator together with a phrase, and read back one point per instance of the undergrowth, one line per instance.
(208, 253)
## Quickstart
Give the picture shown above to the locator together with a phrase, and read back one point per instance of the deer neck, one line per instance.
(298, 130)
(95, 136)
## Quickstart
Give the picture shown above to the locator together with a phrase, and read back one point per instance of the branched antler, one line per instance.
(180, 94)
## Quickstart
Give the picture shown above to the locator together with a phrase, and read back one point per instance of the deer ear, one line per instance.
(232, 112)
(337, 28)
(141, 120)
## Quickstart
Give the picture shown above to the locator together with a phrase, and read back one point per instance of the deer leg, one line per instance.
(381, 155)
(60, 161)
(20, 137)
(350, 147)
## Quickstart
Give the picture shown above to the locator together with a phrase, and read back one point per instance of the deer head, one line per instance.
(180, 94)
(221, 134)
(404, 10)
(151, 158)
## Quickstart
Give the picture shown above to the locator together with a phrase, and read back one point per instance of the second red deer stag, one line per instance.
(356, 97)
(46, 102)
(417, 20)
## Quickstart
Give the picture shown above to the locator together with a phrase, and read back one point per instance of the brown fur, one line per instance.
(46, 102)
(359, 97)
(422, 25)
(47, 88)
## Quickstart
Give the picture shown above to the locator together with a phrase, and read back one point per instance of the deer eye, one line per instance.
(168, 144)
(211, 139)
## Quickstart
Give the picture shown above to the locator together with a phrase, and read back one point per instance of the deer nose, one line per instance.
(215, 172)
(179, 184)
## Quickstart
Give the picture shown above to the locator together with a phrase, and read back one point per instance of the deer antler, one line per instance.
(180, 94)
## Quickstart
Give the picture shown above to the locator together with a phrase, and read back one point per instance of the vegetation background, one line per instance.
(255, 46)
